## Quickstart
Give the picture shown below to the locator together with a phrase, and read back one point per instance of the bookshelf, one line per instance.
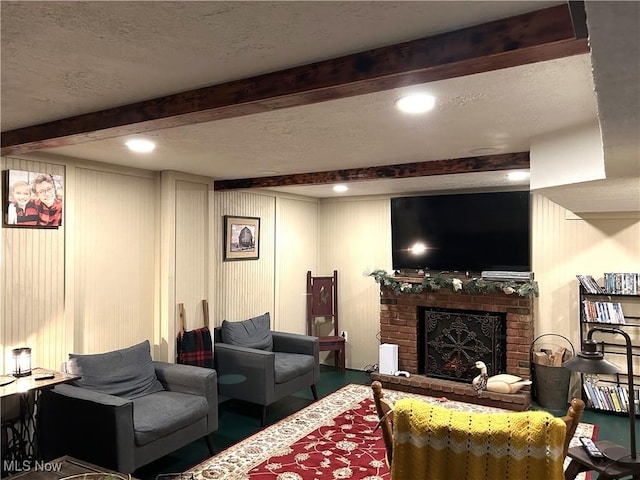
(616, 303)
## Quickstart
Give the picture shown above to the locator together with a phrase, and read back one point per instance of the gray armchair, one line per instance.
(261, 366)
(121, 419)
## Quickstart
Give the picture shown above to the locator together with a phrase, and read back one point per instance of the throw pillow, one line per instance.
(251, 333)
(127, 372)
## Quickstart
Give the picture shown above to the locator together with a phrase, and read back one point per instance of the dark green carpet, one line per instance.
(238, 420)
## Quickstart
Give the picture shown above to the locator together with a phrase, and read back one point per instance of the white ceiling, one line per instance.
(61, 59)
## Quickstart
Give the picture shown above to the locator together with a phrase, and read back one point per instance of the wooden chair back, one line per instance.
(385, 418)
(322, 301)
(572, 419)
(385, 414)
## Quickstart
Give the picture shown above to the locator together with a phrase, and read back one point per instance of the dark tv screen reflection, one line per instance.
(463, 233)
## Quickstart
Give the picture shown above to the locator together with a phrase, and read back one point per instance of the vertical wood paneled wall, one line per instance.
(275, 283)
(564, 245)
(184, 262)
(90, 285)
(192, 250)
(33, 289)
(355, 238)
(243, 288)
(115, 253)
(96, 283)
(297, 239)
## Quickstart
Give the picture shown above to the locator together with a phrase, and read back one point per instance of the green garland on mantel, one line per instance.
(473, 285)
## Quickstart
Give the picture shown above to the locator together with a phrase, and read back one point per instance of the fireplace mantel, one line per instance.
(399, 322)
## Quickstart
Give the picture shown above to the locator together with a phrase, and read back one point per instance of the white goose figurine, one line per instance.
(502, 383)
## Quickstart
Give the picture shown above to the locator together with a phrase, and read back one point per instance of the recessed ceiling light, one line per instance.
(340, 188)
(140, 145)
(268, 172)
(416, 103)
(517, 176)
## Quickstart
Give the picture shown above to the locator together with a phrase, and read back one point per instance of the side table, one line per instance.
(24, 448)
(607, 469)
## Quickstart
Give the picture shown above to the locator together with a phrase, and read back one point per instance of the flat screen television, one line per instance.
(463, 232)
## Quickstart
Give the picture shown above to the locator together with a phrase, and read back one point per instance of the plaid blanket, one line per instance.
(195, 348)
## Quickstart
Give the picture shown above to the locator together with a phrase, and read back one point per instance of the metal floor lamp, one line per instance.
(591, 361)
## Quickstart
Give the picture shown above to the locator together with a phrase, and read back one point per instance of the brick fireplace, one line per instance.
(400, 317)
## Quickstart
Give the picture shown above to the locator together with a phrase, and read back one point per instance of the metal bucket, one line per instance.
(550, 387)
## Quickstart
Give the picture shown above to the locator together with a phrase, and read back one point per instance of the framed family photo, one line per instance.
(241, 238)
(32, 199)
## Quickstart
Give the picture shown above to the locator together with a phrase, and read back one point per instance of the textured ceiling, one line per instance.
(472, 112)
(77, 57)
(61, 59)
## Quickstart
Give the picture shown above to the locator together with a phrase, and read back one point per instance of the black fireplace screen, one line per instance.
(454, 340)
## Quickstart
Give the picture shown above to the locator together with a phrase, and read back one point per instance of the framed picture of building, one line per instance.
(32, 199)
(241, 238)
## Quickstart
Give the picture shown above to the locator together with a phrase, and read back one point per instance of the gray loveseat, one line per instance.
(127, 410)
(261, 366)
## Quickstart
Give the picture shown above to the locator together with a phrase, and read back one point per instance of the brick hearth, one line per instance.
(399, 325)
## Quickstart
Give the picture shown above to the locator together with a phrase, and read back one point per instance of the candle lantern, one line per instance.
(21, 361)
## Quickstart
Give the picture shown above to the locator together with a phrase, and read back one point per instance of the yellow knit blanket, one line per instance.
(435, 443)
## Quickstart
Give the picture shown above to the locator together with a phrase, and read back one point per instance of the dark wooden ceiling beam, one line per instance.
(537, 36)
(489, 163)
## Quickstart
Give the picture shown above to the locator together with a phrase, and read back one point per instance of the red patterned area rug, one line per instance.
(332, 438)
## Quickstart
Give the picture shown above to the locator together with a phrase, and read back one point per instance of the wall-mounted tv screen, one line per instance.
(464, 232)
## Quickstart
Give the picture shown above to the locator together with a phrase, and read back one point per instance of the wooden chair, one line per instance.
(385, 413)
(322, 302)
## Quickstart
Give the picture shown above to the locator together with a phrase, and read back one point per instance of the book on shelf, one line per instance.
(612, 398)
(603, 312)
(606, 398)
(622, 283)
(613, 393)
(589, 284)
(592, 400)
(624, 398)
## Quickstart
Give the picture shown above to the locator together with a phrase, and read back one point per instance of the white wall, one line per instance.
(63, 288)
(186, 258)
(297, 252)
(192, 250)
(114, 272)
(565, 245)
(110, 276)
(355, 238)
(33, 285)
(276, 282)
(244, 288)
(114, 256)
(569, 156)
(348, 235)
